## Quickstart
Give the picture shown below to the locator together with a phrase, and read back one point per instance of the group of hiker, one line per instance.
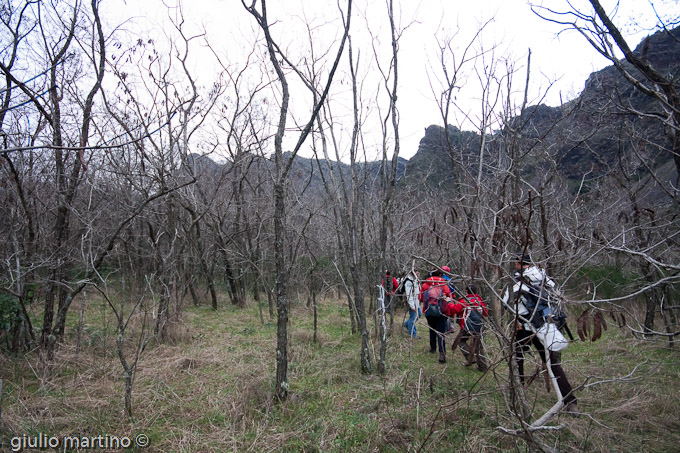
(443, 305)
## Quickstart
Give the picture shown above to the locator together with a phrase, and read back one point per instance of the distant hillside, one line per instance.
(583, 138)
(586, 136)
(432, 163)
(305, 172)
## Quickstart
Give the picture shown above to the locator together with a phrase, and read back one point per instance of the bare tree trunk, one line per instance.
(315, 339)
(256, 289)
(259, 309)
(270, 301)
(653, 302)
(353, 318)
(235, 285)
(192, 291)
(282, 302)
(208, 271)
(67, 185)
(366, 362)
(128, 393)
(79, 334)
(282, 169)
(176, 302)
(161, 327)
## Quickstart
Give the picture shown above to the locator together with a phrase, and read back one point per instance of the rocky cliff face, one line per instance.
(587, 136)
(582, 139)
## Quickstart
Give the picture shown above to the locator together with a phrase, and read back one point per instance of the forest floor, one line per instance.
(209, 388)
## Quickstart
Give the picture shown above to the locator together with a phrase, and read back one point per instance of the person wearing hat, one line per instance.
(435, 289)
(446, 270)
(528, 277)
(390, 284)
(532, 274)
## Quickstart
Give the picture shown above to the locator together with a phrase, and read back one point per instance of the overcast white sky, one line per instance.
(565, 58)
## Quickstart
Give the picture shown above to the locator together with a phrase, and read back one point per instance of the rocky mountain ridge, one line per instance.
(580, 139)
(585, 136)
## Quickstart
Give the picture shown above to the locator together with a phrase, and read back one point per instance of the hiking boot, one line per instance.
(432, 351)
(442, 357)
(572, 409)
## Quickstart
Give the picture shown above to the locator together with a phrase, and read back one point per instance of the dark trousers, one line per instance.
(437, 330)
(524, 341)
(474, 351)
(388, 303)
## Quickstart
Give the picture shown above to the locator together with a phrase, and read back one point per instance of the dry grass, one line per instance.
(209, 388)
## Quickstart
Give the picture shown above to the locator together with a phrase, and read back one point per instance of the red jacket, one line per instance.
(453, 309)
(395, 284)
(433, 282)
(472, 301)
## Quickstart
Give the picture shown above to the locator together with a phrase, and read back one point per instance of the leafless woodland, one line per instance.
(125, 175)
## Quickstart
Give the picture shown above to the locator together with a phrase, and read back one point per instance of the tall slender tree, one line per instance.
(283, 166)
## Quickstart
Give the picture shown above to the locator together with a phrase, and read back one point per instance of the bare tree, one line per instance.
(648, 96)
(157, 96)
(388, 173)
(598, 28)
(282, 169)
(345, 189)
(52, 37)
(16, 26)
(135, 308)
(239, 210)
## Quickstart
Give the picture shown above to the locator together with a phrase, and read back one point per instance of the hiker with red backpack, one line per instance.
(471, 326)
(435, 296)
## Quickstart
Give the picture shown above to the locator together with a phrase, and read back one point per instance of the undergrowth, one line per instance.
(209, 388)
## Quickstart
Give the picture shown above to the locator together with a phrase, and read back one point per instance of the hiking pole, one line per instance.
(566, 329)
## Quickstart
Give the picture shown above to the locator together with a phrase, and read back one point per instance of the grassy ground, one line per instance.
(209, 389)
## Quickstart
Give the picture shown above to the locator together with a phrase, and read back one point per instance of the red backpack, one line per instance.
(433, 301)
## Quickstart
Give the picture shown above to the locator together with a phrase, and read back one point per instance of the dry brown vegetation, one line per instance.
(210, 388)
